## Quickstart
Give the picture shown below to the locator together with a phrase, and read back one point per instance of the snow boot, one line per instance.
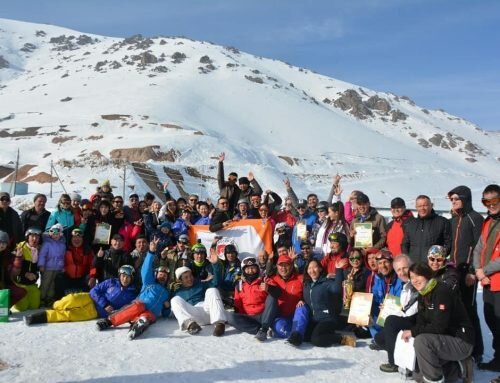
(138, 328)
(103, 324)
(388, 367)
(295, 339)
(261, 335)
(219, 329)
(36, 318)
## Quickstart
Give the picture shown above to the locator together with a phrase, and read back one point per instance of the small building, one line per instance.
(21, 188)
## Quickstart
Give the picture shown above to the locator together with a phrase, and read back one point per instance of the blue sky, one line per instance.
(441, 53)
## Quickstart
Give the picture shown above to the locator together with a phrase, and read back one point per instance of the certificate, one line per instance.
(301, 230)
(361, 305)
(102, 234)
(404, 353)
(364, 235)
(392, 306)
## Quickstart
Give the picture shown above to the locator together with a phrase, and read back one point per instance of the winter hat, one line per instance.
(106, 183)
(384, 254)
(4, 237)
(248, 261)
(243, 200)
(437, 251)
(183, 238)
(323, 205)
(230, 248)
(117, 237)
(181, 270)
(302, 203)
(4, 194)
(398, 202)
(339, 238)
(198, 248)
(75, 197)
(284, 259)
(57, 228)
(166, 224)
(244, 181)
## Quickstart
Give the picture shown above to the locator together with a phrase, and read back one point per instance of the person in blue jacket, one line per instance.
(306, 218)
(152, 302)
(386, 282)
(317, 315)
(106, 297)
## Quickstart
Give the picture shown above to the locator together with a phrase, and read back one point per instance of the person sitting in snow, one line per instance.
(197, 303)
(103, 299)
(152, 302)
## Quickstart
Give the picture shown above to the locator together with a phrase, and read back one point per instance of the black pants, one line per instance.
(252, 323)
(492, 316)
(468, 294)
(393, 325)
(323, 334)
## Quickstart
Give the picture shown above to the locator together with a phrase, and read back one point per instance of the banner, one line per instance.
(248, 235)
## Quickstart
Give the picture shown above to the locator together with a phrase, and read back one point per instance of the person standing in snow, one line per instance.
(51, 263)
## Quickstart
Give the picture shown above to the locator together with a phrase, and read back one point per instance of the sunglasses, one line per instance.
(486, 201)
(453, 199)
(193, 199)
(356, 258)
(5, 199)
(54, 231)
(301, 208)
(77, 234)
(232, 179)
(65, 202)
(321, 210)
(435, 259)
(183, 242)
(264, 210)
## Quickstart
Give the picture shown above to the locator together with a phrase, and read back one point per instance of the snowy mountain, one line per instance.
(165, 107)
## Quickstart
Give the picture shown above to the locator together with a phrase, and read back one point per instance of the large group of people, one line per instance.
(98, 258)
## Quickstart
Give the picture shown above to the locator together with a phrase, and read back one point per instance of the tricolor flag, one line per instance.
(248, 235)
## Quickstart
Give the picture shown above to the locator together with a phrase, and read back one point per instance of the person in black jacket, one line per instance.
(443, 332)
(107, 263)
(223, 216)
(37, 216)
(9, 220)
(228, 189)
(466, 227)
(426, 230)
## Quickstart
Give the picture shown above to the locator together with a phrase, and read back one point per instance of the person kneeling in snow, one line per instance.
(151, 302)
(198, 302)
(103, 299)
(255, 305)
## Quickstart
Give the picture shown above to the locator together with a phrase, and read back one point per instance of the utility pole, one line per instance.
(15, 173)
(124, 178)
(51, 166)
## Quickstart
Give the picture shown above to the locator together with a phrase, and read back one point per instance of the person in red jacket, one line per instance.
(79, 274)
(487, 266)
(290, 284)
(338, 247)
(255, 305)
(395, 233)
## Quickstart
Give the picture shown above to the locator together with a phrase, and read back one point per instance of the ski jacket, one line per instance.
(395, 232)
(153, 294)
(291, 292)
(249, 299)
(324, 298)
(111, 292)
(51, 255)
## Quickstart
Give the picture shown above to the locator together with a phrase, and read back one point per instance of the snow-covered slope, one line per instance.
(74, 98)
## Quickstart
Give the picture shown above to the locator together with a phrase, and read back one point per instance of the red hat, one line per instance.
(284, 259)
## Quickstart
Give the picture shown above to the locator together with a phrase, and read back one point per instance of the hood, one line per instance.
(465, 195)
